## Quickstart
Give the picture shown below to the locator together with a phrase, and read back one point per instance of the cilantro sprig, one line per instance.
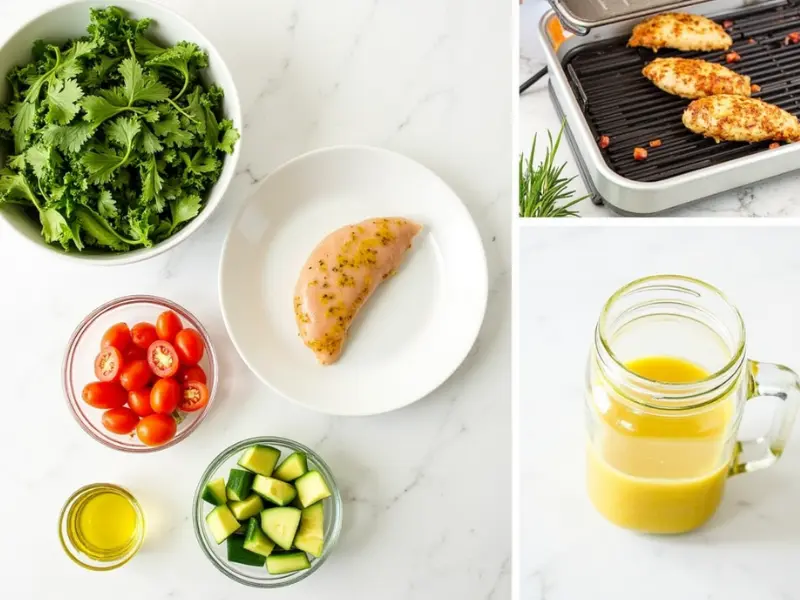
(113, 140)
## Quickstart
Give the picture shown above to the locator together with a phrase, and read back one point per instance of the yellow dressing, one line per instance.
(659, 471)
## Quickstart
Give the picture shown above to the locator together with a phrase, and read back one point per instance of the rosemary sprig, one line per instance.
(543, 192)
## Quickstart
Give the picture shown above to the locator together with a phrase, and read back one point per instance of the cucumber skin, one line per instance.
(258, 538)
(239, 482)
(239, 554)
(210, 494)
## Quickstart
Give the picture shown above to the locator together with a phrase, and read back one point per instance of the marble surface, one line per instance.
(775, 198)
(751, 548)
(427, 509)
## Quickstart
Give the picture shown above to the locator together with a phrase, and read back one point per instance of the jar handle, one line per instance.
(775, 381)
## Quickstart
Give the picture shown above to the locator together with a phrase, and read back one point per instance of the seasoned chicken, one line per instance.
(340, 276)
(692, 78)
(680, 31)
(740, 119)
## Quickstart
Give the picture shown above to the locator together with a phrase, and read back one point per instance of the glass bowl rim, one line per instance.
(87, 322)
(71, 500)
(336, 501)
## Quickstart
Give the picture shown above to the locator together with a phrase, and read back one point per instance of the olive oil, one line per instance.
(104, 524)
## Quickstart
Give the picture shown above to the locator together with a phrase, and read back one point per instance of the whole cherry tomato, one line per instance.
(156, 430)
(192, 374)
(168, 325)
(120, 420)
(104, 394)
(135, 375)
(166, 396)
(190, 346)
(118, 336)
(144, 334)
(139, 401)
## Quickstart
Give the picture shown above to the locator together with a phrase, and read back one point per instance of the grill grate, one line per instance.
(619, 102)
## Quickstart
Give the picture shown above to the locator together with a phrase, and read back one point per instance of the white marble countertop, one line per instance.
(427, 507)
(776, 198)
(751, 548)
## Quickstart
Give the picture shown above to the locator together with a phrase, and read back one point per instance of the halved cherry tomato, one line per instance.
(166, 396)
(135, 353)
(120, 420)
(168, 325)
(192, 374)
(139, 401)
(118, 336)
(104, 394)
(156, 430)
(144, 334)
(163, 359)
(195, 396)
(108, 364)
(190, 346)
(135, 375)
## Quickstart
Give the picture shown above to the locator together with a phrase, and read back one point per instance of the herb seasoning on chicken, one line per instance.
(341, 274)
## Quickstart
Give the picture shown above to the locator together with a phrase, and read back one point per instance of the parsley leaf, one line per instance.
(114, 140)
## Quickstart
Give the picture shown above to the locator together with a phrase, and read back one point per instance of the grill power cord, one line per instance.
(533, 79)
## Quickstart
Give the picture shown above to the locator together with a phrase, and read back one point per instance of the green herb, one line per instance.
(543, 192)
(114, 140)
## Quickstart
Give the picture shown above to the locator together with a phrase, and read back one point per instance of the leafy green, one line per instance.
(113, 140)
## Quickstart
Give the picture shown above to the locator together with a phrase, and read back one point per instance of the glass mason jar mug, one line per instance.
(667, 386)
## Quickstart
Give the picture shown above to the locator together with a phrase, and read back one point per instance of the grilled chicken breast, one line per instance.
(340, 276)
(740, 119)
(692, 78)
(680, 31)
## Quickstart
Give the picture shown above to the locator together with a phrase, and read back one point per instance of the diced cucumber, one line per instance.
(214, 492)
(221, 523)
(278, 564)
(311, 488)
(239, 483)
(280, 524)
(260, 459)
(295, 465)
(311, 532)
(239, 554)
(256, 540)
(276, 491)
(249, 507)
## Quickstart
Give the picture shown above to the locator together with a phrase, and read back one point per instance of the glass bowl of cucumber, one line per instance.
(267, 512)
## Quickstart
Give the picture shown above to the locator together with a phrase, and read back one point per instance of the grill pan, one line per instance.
(597, 84)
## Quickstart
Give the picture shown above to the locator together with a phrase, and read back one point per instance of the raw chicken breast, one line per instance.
(340, 276)
(740, 119)
(680, 31)
(692, 78)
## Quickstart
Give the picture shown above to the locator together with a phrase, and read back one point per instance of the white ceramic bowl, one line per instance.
(69, 21)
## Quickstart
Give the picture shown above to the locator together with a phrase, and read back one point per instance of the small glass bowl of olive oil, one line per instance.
(101, 526)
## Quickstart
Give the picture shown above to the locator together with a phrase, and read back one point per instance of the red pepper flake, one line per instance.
(732, 57)
(604, 142)
(794, 37)
(727, 24)
(754, 88)
(639, 154)
(774, 145)
(751, 41)
(655, 143)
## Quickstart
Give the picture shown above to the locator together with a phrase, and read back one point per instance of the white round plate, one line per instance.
(415, 330)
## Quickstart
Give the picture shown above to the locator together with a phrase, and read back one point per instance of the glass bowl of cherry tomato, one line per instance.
(140, 373)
